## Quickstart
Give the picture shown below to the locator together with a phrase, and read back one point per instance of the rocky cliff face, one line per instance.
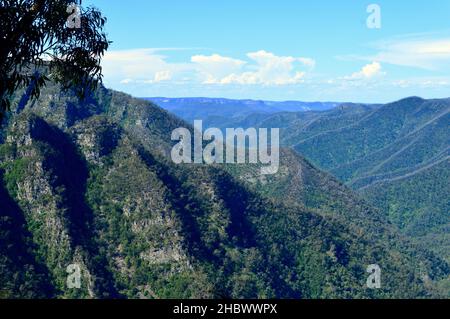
(90, 184)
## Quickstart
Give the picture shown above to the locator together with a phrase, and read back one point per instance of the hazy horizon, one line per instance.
(274, 100)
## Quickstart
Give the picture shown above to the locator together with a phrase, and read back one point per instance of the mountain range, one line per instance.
(395, 155)
(92, 184)
(212, 110)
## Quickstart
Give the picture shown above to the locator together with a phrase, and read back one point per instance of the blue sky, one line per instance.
(278, 50)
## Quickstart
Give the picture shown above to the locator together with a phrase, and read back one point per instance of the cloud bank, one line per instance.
(259, 68)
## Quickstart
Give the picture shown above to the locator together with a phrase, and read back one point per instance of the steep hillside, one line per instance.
(91, 184)
(396, 155)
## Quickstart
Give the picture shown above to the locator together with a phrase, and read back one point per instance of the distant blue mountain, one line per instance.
(191, 109)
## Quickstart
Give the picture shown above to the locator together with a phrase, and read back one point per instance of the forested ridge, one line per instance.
(91, 183)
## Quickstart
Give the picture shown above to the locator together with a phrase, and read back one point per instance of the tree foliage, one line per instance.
(34, 35)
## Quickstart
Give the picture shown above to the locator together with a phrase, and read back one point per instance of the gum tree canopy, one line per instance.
(38, 35)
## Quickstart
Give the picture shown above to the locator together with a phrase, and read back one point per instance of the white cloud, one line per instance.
(367, 72)
(141, 66)
(215, 66)
(424, 51)
(264, 68)
(423, 83)
(308, 62)
(162, 76)
(149, 66)
(126, 81)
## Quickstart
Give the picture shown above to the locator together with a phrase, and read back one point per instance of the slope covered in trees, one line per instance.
(91, 184)
(396, 155)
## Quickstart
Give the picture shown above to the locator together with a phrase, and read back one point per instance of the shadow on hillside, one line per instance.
(236, 200)
(204, 245)
(24, 276)
(70, 173)
(185, 207)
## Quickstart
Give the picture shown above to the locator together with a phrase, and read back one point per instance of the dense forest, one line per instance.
(395, 155)
(92, 184)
